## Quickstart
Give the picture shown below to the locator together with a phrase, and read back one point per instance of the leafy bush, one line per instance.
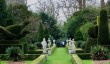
(32, 47)
(99, 52)
(14, 53)
(93, 32)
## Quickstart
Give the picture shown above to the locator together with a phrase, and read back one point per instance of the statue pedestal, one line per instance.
(49, 51)
(44, 51)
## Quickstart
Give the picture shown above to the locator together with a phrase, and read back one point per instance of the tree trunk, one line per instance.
(102, 4)
(84, 3)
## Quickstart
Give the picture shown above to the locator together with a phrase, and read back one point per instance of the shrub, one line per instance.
(84, 56)
(14, 53)
(103, 37)
(99, 52)
(90, 42)
(78, 35)
(32, 47)
(93, 32)
(30, 56)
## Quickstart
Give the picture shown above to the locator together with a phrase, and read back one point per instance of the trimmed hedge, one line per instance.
(76, 59)
(25, 56)
(30, 56)
(35, 52)
(40, 60)
(103, 36)
(79, 50)
(84, 56)
(3, 47)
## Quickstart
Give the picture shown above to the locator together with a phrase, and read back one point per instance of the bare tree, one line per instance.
(102, 3)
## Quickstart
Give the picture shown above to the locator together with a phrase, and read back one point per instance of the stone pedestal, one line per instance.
(44, 51)
(49, 51)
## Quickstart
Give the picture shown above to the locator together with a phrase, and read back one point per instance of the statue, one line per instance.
(53, 42)
(44, 45)
(69, 42)
(49, 42)
(73, 47)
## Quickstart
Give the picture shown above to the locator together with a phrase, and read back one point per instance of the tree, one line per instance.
(40, 33)
(103, 33)
(102, 3)
(3, 14)
(23, 11)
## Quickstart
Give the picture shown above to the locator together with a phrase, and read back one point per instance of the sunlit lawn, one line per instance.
(87, 61)
(26, 62)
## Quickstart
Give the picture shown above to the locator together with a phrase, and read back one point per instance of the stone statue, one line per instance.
(44, 45)
(73, 47)
(69, 41)
(53, 42)
(49, 42)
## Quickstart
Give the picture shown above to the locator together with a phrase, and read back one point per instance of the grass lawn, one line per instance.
(87, 61)
(26, 62)
(59, 56)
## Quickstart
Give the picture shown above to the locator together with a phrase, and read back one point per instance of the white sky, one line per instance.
(33, 8)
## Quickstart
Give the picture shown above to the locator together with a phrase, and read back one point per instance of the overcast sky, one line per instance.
(33, 8)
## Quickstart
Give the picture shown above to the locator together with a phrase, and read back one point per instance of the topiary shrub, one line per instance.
(103, 35)
(93, 32)
(14, 32)
(14, 53)
(99, 53)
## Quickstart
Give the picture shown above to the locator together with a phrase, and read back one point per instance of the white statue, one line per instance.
(69, 41)
(73, 47)
(49, 42)
(44, 45)
(53, 42)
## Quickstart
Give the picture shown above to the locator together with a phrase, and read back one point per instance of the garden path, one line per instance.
(59, 56)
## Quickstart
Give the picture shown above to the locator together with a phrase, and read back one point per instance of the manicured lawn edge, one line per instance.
(40, 60)
(76, 59)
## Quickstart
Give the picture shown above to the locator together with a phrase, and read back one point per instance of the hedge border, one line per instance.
(76, 59)
(40, 60)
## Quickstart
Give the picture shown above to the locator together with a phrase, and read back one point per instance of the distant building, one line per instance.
(14, 2)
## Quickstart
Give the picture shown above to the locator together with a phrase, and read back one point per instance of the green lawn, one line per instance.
(87, 61)
(2, 62)
(59, 56)
(26, 62)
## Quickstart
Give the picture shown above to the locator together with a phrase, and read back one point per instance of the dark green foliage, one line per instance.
(78, 36)
(85, 56)
(30, 56)
(13, 11)
(14, 53)
(46, 33)
(34, 52)
(13, 31)
(90, 42)
(103, 36)
(3, 47)
(32, 47)
(93, 32)
(78, 19)
(51, 24)
(3, 14)
(40, 33)
(99, 53)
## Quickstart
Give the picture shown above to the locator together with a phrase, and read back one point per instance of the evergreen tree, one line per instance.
(40, 33)
(2, 12)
